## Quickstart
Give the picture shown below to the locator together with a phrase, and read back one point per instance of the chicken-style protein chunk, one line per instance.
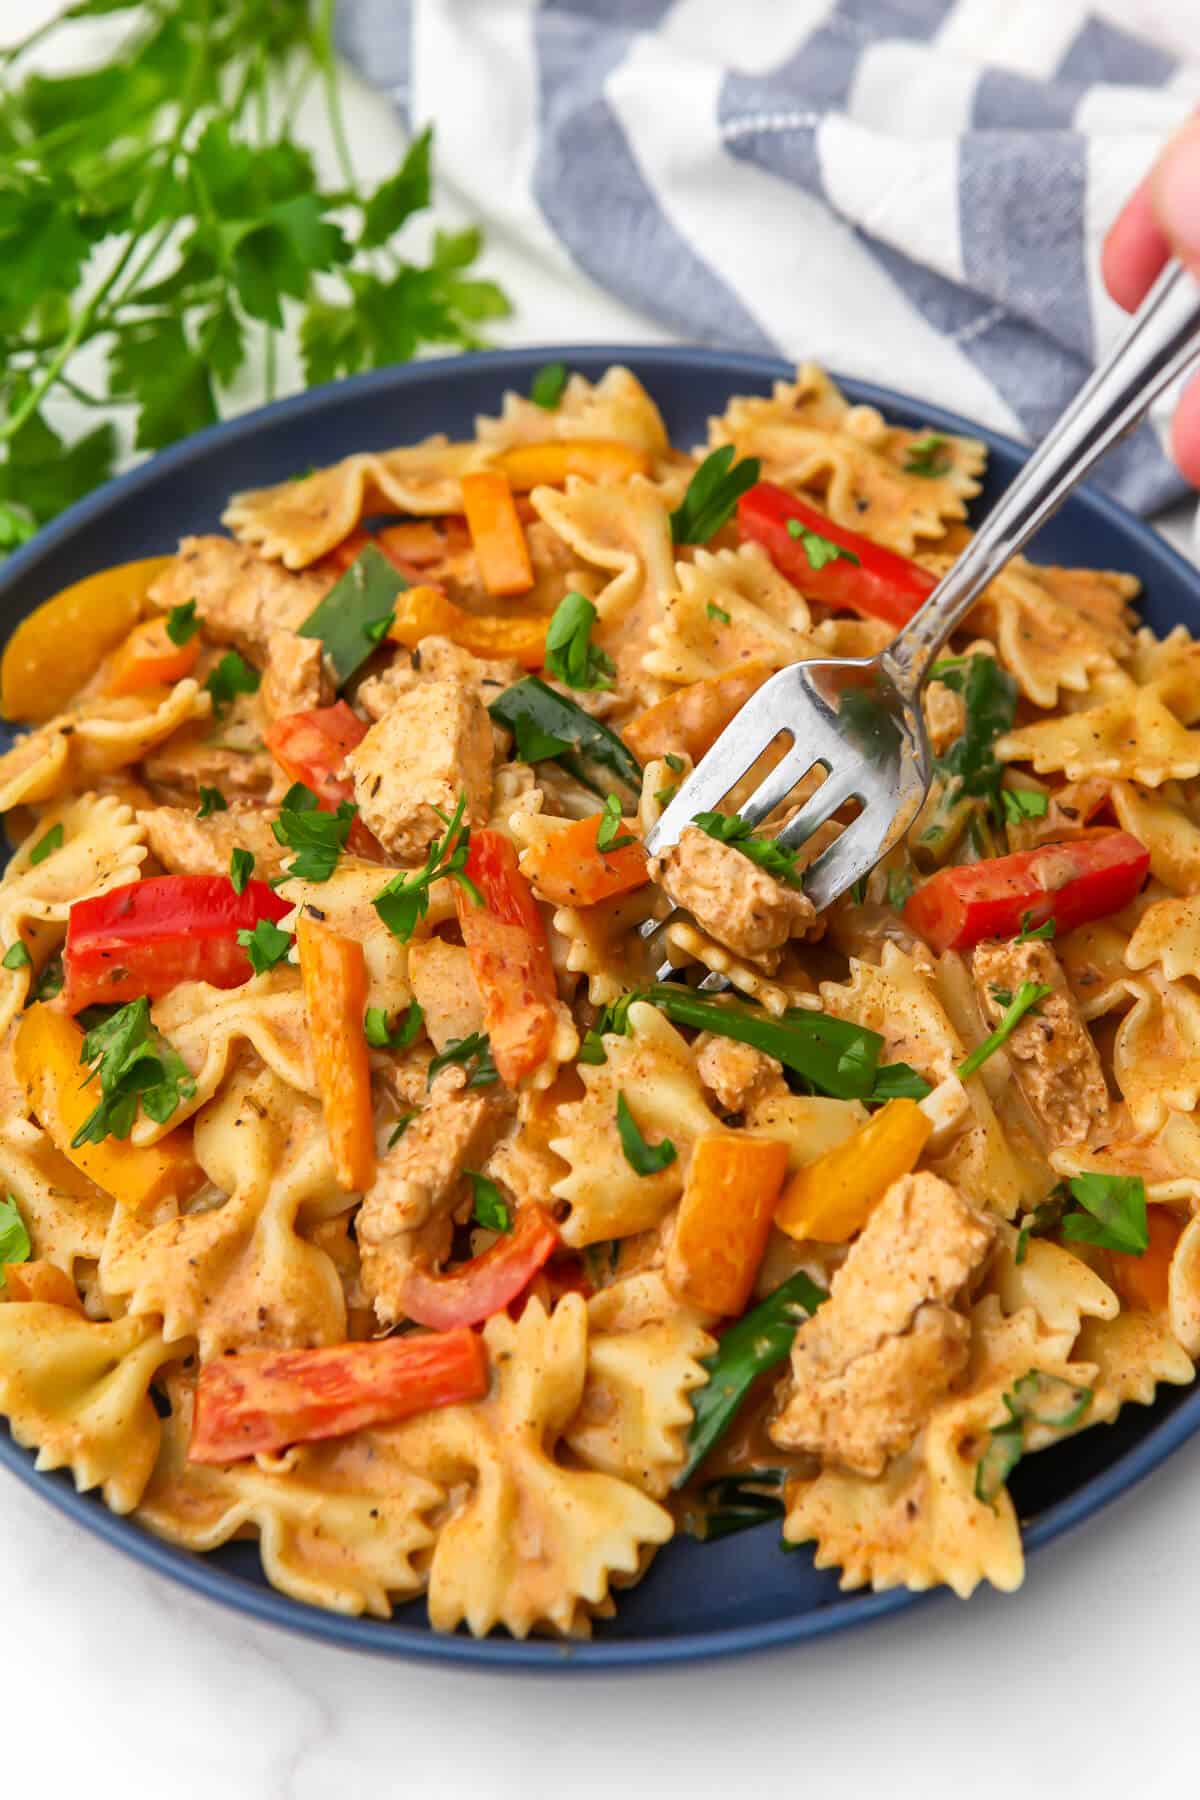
(186, 845)
(730, 897)
(241, 597)
(736, 1075)
(892, 1339)
(294, 678)
(1052, 1053)
(432, 745)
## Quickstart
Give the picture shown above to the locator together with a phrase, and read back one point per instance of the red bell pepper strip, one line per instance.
(510, 957)
(1071, 883)
(877, 583)
(312, 747)
(148, 937)
(263, 1400)
(486, 1284)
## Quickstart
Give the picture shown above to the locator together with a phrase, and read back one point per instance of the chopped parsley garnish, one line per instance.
(135, 1064)
(818, 549)
(241, 868)
(740, 1502)
(491, 1210)
(900, 885)
(727, 828)
(571, 657)
(45, 846)
(675, 763)
(1023, 803)
(717, 612)
(1029, 930)
(969, 766)
(231, 677)
(316, 838)
(401, 1126)
(266, 945)
(663, 796)
(928, 455)
(356, 613)
(405, 899)
(182, 623)
(643, 1158)
(50, 982)
(712, 495)
(212, 800)
(1027, 996)
(608, 833)
(15, 1245)
(382, 1036)
(546, 388)
(1113, 1215)
(16, 957)
(1036, 1399)
(474, 1052)
(1044, 1220)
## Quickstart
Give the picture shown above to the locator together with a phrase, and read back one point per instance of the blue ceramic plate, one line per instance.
(742, 1593)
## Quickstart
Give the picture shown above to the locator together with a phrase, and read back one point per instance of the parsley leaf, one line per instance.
(316, 838)
(401, 1126)
(819, 549)
(135, 1063)
(380, 1035)
(1036, 1399)
(241, 867)
(675, 763)
(643, 1158)
(266, 945)
(712, 495)
(1023, 803)
(474, 1052)
(45, 846)
(182, 623)
(1113, 1215)
(491, 1210)
(405, 899)
(571, 656)
(16, 957)
(15, 1245)
(718, 613)
(900, 884)
(212, 800)
(1029, 995)
(406, 192)
(928, 455)
(607, 831)
(49, 983)
(727, 828)
(1044, 1220)
(969, 765)
(546, 388)
(232, 676)
(1029, 930)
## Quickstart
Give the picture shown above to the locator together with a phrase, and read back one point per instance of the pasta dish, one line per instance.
(401, 1167)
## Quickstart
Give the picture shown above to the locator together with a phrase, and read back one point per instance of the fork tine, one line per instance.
(737, 748)
(775, 786)
(849, 857)
(839, 786)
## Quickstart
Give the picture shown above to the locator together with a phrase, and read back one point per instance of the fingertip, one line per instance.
(1185, 433)
(1134, 252)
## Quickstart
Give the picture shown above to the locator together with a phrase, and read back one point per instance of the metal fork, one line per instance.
(860, 720)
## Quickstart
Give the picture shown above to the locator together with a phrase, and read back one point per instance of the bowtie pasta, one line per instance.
(386, 1176)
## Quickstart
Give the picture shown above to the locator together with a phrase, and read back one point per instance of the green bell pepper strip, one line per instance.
(355, 614)
(589, 744)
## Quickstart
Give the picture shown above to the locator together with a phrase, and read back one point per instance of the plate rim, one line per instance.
(386, 1637)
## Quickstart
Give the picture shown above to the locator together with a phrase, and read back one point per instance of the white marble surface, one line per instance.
(115, 1682)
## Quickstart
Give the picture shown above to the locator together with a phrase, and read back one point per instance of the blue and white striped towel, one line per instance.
(913, 191)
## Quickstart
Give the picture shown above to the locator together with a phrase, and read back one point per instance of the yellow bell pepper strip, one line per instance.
(56, 649)
(496, 533)
(832, 1198)
(425, 611)
(569, 869)
(41, 1281)
(693, 717)
(46, 1052)
(548, 465)
(724, 1219)
(334, 973)
(148, 658)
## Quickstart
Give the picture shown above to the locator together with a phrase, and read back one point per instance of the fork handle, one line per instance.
(1162, 338)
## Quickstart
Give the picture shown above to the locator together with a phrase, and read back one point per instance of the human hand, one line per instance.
(1161, 219)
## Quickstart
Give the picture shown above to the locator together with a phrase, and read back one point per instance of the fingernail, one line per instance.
(1177, 192)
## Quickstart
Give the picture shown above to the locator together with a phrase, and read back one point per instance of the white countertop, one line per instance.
(115, 1682)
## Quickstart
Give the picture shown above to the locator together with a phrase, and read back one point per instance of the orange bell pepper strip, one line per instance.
(510, 957)
(1143, 1281)
(416, 542)
(148, 658)
(832, 1198)
(263, 1400)
(425, 611)
(334, 973)
(46, 1052)
(693, 717)
(548, 465)
(57, 647)
(568, 869)
(496, 533)
(42, 1281)
(724, 1219)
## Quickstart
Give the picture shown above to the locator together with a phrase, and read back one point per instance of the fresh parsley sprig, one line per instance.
(46, 846)
(316, 838)
(643, 1158)
(474, 1053)
(571, 657)
(182, 623)
(818, 548)
(405, 899)
(546, 388)
(1029, 995)
(1036, 1399)
(929, 455)
(383, 1036)
(727, 828)
(266, 945)
(15, 1245)
(491, 1210)
(136, 1065)
(609, 835)
(712, 495)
